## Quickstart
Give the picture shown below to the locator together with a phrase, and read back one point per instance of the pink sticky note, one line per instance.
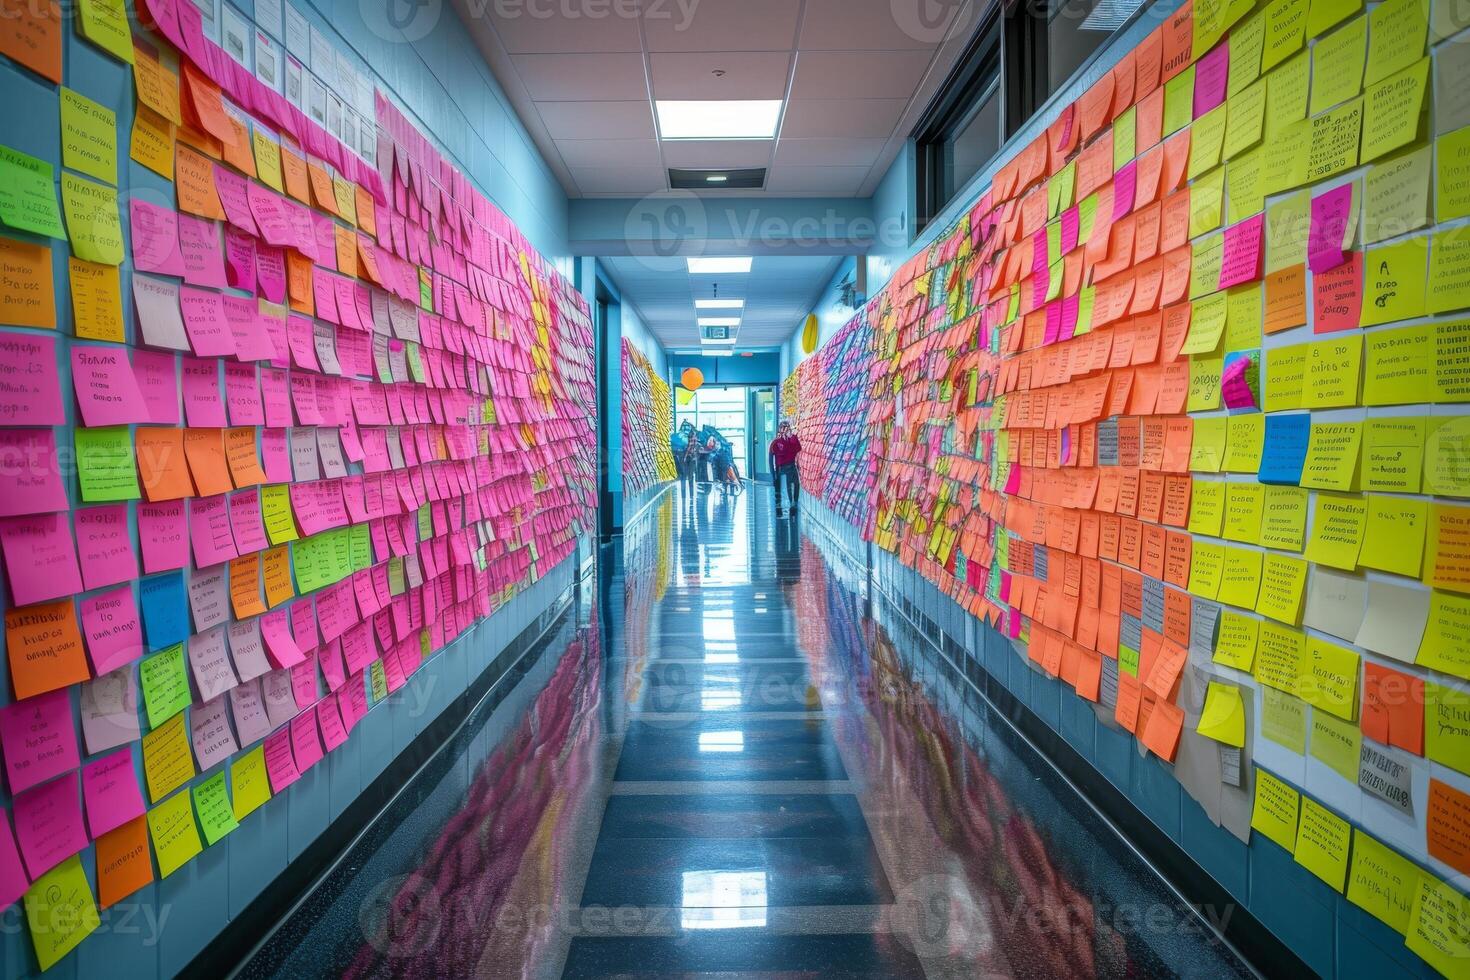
(162, 530)
(248, 710)
(155, 238)
(209, 531)
(30, 480)
(48, 823)
(245, 521)
(40, 557)
(235, 198)
(248, 326)
(29, 391)
(270, 272)
(39, 739)
(1330, 213)
(204, 259)
(110, 790)
(204, 320)
(1210, 75)
(110, 623)
(107, 391)
(333, 733)
(157, 376)
(280, 766)
(203, 406)
(1241, 261)
(105, 546)
(13, 880)
(209, 732)
(209, 659)
(270, 216)
(306, 747)
(240, 258)
(242, 395)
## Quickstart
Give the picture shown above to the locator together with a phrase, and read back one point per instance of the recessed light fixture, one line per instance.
(716, 178)
(718, 264)
(718, 321)
(716, 352)
(732, 119)
(719, 304)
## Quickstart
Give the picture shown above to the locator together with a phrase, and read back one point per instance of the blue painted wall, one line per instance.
(444, 85)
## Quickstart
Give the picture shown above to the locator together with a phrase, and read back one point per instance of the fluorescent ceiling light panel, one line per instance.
(719, 321)
(730, 119)
(719, 304)
(716, 352)
(718, 264)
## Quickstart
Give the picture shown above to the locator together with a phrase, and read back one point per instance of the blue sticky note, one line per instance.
(1284, 449)
(165, 610)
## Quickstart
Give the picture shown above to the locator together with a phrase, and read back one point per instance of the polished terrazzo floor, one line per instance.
(728, 761)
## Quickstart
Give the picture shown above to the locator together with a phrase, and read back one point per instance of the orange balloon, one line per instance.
(692, 378)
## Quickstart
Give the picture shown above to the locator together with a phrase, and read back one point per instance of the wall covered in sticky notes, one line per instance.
(1177, 408)
(648, 423)
(298, 435)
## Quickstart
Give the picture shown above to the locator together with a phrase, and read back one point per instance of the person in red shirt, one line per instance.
(783, 464)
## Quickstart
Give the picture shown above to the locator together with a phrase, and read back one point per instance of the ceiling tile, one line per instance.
(717, 154)
(619, 180)
(851, 25)
(829, 152)
(829, 181)
(858, 74)
(597, 120)
(609, 153)
(720, 25)
(748, 75)
(582, 77)
(538, 27)
(852, 118)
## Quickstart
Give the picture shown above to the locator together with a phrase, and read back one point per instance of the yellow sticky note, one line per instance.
(1452, 361)
(1287, 224)
(1382, 881)
(1125, 138)
(1332, 456)
(1393, 281)
(1283, 579)
(1204, 268)
(1281, 653)
(1452, 175)
(1244, 504)
(1393, 111)
(1247, 42)
(1286, 372)
(1284, 719)
(1397, 29)
(1334, 366)
(1206, 507)
(1286, 28)
(1204, 382)
(1245, 185)
(1223, 718)
(152, 143)
(1179, 101)
(1396, 194)
(1337, 744)
(1240, 577)
(1337, 65)
(1446, 728)
(1207, 451)
(1284, 521)
(1334, 140)
(1286, 94)
(275, 507)
(1449, 271)
(267, 159)
(60, 911)
(1243, 317)
(1322, 14)
(1443, 645)
(105, 24)
(1338, 522)
(1276, 809)
(249, 782)
(96, 300)
(1330, 681)
(1206, 199)
(1397, 366)
(175, 838)
(1206, 140)
(1446, 465)
(1236, 644)
(88, 136)
(1246, 118)
(92, 221)
(1206, 324)
(168, 762)
(1439, 926)
(1245, 437)
(1206, 564)
(1392, 451)
(1322, 843)
(1393, 540)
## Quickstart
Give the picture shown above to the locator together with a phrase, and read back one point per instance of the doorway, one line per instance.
(762, 431)
(727, 409)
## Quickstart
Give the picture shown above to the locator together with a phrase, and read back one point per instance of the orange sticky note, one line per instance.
(245, 586)
(1447, 825)
(1393, 707)
(194, 179)
(277, 572)
(1337, 296)
(298, 282)
(45, 647)
(124, 861)
(162, 467)
(29, 296)
(322, 192)
(1447, 564)
(1177, 33)
(1286, 298)
(243, 458)
(1161, 735)
(1129, 696)
(32, 35)
(205, 449)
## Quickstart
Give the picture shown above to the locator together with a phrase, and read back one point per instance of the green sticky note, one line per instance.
(415, 362)
(88, 136)
(212, 804)
(105, 464)
(1127, 659)
(379, 681)
(275, 506)
(60, 911)
(105, 24)
(92, 221)
(28, 194)
(165, 682)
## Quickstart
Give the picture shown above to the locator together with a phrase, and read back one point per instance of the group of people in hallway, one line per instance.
(698, 452)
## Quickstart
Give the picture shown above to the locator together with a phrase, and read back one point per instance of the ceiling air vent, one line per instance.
(751, 178)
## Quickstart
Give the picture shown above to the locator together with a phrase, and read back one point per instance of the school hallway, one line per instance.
(734, 756)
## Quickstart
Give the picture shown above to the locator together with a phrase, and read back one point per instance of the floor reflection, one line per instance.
(744, 768)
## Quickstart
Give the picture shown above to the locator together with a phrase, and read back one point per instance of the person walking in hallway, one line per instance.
(784, 449)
